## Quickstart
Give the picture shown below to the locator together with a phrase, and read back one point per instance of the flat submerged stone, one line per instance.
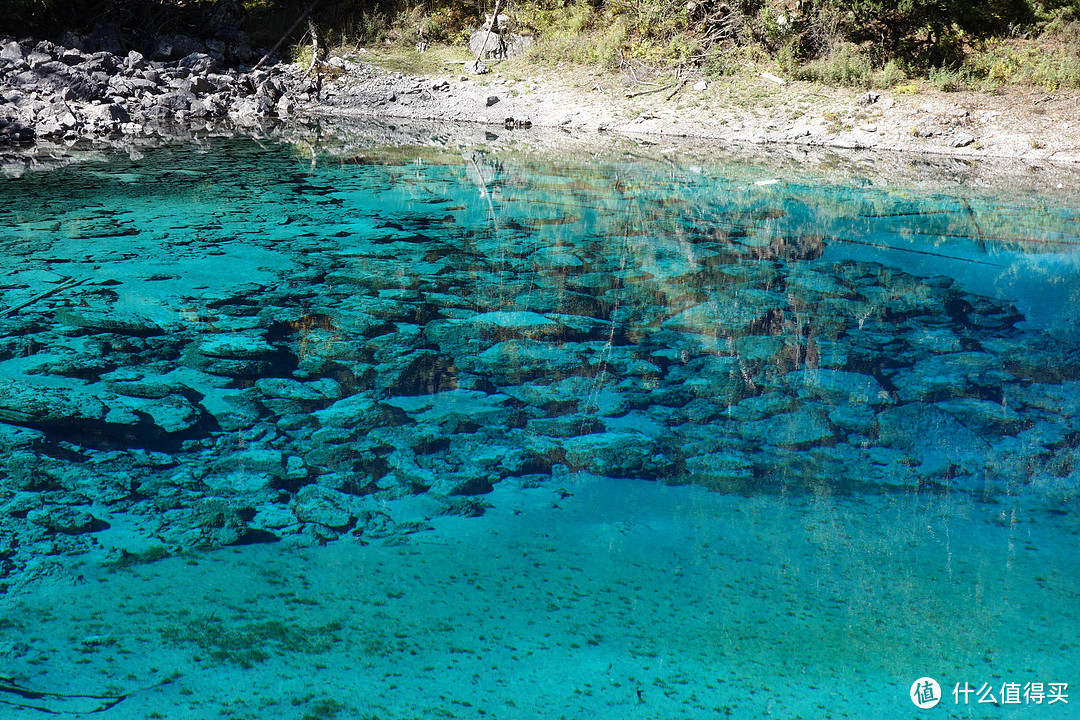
(24, 403)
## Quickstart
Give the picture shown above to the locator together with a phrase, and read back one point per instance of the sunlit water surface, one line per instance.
(398, 434)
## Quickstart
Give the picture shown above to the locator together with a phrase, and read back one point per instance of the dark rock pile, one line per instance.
(51, 90)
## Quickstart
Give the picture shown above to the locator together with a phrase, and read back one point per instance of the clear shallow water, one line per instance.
(228, 344)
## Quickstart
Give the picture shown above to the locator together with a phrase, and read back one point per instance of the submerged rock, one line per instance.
(989, 419)
(236, 346)
(721, 471)
(620, 455)
(110, 321)
(934, 438)
(727, 319)
(962, 374)
(323, 506)
(22, 403)
(66, 520)
(806, 426)
(355, 414)
(839, 387)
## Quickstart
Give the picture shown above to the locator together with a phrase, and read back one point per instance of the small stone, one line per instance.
(65, 520)
(701, 85)
(962, 140)
(869, 98)
(492, 99)
(323, 506)
(477, 68)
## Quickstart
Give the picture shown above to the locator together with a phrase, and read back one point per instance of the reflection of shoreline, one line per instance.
(337, 137)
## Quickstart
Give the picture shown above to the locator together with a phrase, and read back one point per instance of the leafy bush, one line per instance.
(1049, 63)
(850, 65)
(573, 31)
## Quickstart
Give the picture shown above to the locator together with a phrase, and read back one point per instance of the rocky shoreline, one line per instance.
(52, 91)
(64, 92)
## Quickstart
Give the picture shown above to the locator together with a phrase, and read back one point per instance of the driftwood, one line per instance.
(714, 22)
(67, 284)
(314, 60)
(10, 686)
(484, 192)
(662, 88)
(314, 47)
(288, 32)
(678, 87)
(491, 26)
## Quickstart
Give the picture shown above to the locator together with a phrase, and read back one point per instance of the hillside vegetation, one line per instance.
(872, 43)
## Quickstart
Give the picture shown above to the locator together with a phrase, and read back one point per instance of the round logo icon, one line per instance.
(925, 693)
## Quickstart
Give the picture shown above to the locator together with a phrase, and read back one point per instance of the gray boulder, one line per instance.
(106, 118)
(56, 118)
(135, 60)
(13, 51)
(177, 101)
(200, 63)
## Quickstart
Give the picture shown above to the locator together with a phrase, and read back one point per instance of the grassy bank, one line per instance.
(948, 44)
(951, 44)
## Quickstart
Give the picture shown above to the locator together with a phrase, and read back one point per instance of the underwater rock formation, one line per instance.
(365, 357)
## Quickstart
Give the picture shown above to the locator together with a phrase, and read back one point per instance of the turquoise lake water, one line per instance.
(309, 430)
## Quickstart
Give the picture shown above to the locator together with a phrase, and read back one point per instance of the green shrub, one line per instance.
(846, 65)
(1045, 63)
(574, 32)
